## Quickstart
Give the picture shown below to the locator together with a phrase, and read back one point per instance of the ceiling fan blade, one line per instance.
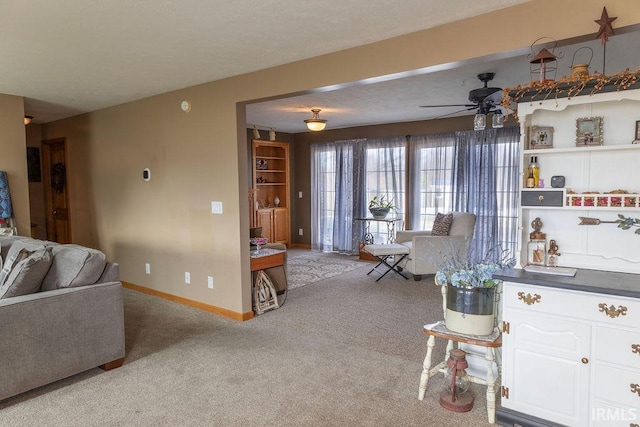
(449, 105)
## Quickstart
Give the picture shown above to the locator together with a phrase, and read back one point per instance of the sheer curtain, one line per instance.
(486, 182)
(430, 176)
(337, 195)
(474, 171)
(385, 176)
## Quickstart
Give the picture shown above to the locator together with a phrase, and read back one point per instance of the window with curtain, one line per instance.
(385, 176)
(337, 195)
(474, 171)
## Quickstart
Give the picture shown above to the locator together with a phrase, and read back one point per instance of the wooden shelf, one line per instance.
(573, 150)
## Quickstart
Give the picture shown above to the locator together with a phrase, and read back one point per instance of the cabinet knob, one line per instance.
(541, 198)
(635, 388)
(611, 311)
(635, 348)
(585, 360)
(529, 299)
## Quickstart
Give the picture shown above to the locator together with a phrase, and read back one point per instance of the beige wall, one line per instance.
(13, 158)
(201, 156)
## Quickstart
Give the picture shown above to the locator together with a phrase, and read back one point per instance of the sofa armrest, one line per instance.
(48, 336)
(407, 235)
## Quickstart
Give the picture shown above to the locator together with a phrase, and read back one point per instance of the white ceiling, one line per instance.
(73, 56)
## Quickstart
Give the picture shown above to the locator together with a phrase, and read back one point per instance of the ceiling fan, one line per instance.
(485, 99)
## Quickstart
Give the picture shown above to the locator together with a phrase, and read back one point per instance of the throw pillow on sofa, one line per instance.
(74, 265)
(26, 276)
(442, 224)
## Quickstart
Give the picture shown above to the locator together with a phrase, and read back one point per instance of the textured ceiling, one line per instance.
(399, 100)
(74, 56)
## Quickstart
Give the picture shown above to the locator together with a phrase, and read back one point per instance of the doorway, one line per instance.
(54, 165)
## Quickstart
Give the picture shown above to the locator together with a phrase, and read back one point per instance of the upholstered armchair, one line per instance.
(428, 252)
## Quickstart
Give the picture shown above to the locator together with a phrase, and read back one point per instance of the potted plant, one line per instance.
(471, 288)
(380, 207)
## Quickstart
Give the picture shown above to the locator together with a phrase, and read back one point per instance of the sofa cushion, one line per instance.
(74, 265)
(19, 249)
(26, 276)
(442, 224)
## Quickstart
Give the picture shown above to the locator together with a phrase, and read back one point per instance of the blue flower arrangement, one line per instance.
(466, 273)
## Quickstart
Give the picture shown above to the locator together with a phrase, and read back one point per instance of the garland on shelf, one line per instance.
(567, 88)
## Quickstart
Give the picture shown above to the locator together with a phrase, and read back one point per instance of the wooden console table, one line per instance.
(266, 258)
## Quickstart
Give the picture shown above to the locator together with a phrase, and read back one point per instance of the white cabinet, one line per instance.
(571, 357)
(587, 169)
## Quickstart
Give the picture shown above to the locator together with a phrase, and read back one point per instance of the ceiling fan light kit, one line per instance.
(315, 123)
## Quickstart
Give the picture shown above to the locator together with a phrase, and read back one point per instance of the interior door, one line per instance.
(54, 165)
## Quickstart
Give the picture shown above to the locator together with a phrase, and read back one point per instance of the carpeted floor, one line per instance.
(348, 355)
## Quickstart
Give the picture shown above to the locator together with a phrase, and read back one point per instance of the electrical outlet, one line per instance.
(300, 232)
(210, 282)
(147, 268)
(187, 277)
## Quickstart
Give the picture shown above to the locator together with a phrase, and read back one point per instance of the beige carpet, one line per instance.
(348, 355)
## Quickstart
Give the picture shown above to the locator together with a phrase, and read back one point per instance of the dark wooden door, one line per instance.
(54, 165)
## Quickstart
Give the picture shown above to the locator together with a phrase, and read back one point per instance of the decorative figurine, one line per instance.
(537, 246)
(553, 254)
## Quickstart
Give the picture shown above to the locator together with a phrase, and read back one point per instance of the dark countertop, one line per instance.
(597, 281)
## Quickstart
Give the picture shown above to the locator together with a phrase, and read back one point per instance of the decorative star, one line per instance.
(606, 29)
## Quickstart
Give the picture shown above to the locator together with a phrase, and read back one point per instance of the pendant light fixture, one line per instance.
(27, 120)
(315, 123)
(498, 119)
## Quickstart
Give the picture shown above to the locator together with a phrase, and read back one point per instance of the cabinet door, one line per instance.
(264, 221)
(543, 366)
(281, 225)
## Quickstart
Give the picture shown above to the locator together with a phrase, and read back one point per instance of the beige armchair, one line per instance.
(427, 252)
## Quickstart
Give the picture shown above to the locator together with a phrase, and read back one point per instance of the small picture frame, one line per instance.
(261, 164)
(636, 140)
(589, 131)
(540, 137)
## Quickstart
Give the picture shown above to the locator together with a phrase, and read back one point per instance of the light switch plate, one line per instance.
(216, 208)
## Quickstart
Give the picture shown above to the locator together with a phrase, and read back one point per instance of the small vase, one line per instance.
(276, 201)
(470, 311)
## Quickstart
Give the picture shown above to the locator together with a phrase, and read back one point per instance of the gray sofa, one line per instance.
(72, 321)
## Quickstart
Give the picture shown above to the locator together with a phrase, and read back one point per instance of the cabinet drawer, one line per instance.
(541, 198)
(609, 310)
(620, 347)
(616, 385)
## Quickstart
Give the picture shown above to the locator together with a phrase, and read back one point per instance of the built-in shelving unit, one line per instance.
(596, 178)
(269, 196)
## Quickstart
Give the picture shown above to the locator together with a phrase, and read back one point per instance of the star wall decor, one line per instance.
(606, 29)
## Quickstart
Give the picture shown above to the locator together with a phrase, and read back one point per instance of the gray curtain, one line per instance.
(472, 171)
(337, 196)
(486, 182)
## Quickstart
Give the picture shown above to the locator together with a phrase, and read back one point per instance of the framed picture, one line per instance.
(261, 164)
(589, 131)
(636, 140)
(34, 172)
(540, 137)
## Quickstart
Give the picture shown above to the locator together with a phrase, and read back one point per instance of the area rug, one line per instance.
(305, 269)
